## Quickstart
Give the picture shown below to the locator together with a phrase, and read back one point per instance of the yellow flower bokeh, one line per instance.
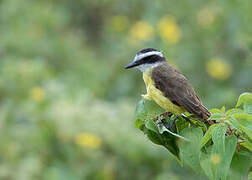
(169, 30)
(215, 159)
(141, 31)
(218, 69)
(119, 23)
(88, 140)
(206, 16)
(37, 94)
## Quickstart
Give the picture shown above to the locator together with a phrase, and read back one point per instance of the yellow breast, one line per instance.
(156, 95)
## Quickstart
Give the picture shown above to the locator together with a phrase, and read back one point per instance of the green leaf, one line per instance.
(240, 165)
(162, 129)
(151, 126)
(181, 124)
(147, 109)
(234, 123)
(233, 111)
(170, 143)
(205, 162)
(244, 97)
(215, 110)
(245, 123)
(230, 146)
(239, 116)
(208, 135)
(154, 137)
(223, 109)
(248, 107)
(189, 151)
(166, 140)
(246, 130)
(215, 163)
(222, 152)
(139, 124)
(218, 137)
(216, 116)
(247, 145)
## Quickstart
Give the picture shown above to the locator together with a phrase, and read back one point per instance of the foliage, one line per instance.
(221, 151)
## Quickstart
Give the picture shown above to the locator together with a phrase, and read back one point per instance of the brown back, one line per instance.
(177, 89)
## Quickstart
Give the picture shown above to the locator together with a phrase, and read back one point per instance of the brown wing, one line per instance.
(178, 90)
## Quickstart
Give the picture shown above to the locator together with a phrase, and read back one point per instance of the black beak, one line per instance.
(131, 65)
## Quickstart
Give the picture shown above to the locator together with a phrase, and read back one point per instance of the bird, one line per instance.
(169, 88)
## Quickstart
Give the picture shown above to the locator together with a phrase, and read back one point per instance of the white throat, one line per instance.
(147, 67)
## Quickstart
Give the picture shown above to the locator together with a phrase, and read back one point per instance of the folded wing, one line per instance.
(178, 90)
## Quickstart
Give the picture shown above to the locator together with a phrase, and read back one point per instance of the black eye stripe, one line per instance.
(150, 59)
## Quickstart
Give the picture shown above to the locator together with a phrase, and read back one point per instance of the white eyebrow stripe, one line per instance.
(141, 56)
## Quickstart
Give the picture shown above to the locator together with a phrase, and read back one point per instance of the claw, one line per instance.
(170, 125)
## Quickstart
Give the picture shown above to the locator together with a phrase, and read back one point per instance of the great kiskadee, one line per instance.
(167, 86)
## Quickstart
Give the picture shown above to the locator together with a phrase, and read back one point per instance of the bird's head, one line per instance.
(147, 59)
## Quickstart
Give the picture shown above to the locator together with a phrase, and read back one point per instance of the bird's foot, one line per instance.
(170, 126)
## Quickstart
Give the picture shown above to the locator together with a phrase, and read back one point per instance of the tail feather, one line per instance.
(205, 114)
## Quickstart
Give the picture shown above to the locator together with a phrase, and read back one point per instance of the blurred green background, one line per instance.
(67, 104)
